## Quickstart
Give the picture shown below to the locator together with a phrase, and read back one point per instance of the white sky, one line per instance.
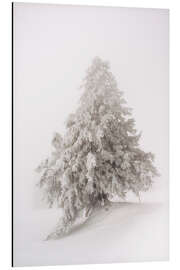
(53, 47)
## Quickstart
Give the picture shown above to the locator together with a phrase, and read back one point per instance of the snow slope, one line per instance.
(126, 232)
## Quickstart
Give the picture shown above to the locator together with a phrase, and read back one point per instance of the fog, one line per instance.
(53, 47)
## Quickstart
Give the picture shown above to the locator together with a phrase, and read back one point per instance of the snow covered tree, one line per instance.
(99, 155)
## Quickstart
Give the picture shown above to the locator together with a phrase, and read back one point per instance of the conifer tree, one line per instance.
(99, 155)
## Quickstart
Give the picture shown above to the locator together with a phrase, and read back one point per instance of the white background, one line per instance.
(5, 91)
(53, 47)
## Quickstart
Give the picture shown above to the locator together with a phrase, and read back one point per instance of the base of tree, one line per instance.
(65, 227)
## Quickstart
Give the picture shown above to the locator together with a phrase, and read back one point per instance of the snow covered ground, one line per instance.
(127, 232)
